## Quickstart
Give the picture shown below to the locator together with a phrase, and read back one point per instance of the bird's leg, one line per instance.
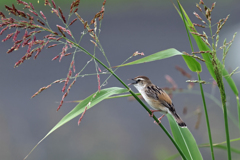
(159, 119)
(151, 115)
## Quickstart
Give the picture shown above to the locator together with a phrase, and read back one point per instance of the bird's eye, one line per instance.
(138, 80)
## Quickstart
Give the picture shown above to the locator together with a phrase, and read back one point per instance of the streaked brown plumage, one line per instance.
(156, 97)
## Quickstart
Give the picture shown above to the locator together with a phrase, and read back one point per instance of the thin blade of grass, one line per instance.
(192, 63)
(76, 111)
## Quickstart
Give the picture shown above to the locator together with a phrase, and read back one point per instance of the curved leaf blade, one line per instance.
(100, 96)
(94, 99)
(192, 63)
(185, 140)
(156, 56)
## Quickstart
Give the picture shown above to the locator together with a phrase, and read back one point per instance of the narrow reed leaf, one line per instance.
(99, 96)
(193, 65)
(185, 140)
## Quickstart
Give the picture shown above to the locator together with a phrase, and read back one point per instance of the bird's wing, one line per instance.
(159, 94)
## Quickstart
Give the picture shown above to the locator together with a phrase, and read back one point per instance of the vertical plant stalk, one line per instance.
(223, 99)
(135, 96)
(207, 119)
(217, 68)
(202, 93)
(238, 105)
(218, 73)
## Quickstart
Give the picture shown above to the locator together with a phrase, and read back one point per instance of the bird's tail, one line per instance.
(178, 120)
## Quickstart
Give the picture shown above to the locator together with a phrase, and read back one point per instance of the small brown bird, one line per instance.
(157, 98)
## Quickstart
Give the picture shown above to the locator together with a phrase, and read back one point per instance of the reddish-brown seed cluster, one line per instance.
(7, 37)
(221, 23)
(33, 12)
(31, 6)
(67, 80)
(99, 84)
(15, 12)
(2, 15)
(72, 21)
(54, 5)
(73, 66)
(194, 56)
(15, 35)
(53, 45)
(64, 50)
(74, 4)
(207, 13)
(35, 46)
(99, 69)
(80, 119)
(47, 3)
(40, 90)
(201, 35)
(56, 57)
(61, 103)
(199, 25)
(55, 11)
(63, 18)
(200, 52)
(99, 15)
(4, 29)
(62, 29)
(63, 89)
(70, 86)
(42, 23)
(59, 81)
(44, 17)
(70, 44)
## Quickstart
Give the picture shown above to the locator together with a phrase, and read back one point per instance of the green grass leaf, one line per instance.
(192, 63)
(103, 94)
(185, 140)
(99, 96)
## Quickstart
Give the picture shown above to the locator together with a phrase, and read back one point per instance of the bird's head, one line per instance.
(140, 82)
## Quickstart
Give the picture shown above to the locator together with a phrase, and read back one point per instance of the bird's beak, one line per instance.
(135, 82)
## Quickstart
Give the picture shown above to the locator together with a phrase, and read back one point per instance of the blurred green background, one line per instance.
(116, 129)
